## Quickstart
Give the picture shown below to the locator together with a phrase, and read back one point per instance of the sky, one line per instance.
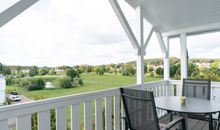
(70, 32)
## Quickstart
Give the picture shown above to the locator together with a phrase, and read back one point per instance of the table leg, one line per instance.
(210, 122)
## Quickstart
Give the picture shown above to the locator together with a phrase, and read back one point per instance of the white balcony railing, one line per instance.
(92, 105)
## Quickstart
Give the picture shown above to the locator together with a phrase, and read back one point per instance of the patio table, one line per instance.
(191, 106)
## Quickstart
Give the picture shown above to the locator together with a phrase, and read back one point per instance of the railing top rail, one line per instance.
(47, 104)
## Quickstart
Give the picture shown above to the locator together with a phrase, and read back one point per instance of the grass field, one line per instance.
(92, 82)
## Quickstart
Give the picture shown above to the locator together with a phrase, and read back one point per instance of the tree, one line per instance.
(6, 70)
(100, 70)
(159, 71)
(173, 68)
(33, 71)
(193, 69)
(1, 67)
(151, 69)
(44, 71)
(71, 73)
(64, 82)
(145, 69)
(52, 72)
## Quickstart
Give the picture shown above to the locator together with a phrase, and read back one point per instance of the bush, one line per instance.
(80, 82)
(36, 84)
(32, 84)
(10, 80)
(7, 101)
(64, 82)
(24, 83)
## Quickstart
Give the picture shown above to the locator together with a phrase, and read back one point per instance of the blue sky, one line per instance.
(69, 32)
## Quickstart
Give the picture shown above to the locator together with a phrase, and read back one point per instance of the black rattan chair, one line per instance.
(197, 88)
(140, 111)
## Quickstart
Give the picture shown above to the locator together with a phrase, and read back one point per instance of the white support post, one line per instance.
(166, 59)
(184, 60)
(141, 51)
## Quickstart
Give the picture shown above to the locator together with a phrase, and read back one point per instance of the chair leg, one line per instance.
(183, 124)
(218, 121)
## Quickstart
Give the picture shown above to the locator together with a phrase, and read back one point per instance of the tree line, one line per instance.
(197, 68)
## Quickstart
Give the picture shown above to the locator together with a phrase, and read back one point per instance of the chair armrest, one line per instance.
(174, 122)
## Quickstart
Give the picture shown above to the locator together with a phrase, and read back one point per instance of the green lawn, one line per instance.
(92, 82)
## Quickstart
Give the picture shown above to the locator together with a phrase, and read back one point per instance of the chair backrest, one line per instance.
(198, 88)
(140, 110)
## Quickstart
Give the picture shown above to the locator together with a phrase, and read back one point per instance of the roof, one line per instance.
(173, 17)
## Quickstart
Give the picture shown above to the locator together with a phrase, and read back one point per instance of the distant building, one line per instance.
(59, 71)
(205, 65)
(25, 71)
(2, 89)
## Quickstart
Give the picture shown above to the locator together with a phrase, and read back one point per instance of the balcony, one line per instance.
(92, 105)
(168, 20)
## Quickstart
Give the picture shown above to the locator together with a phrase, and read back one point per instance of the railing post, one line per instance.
(61, 118)
(44, 120)
(108, 113)
(117, 112)
(98, 114)
(75, 116)
(24, 122)
(4, 124)
(87, 115)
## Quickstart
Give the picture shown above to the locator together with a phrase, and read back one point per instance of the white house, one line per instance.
(2, 89)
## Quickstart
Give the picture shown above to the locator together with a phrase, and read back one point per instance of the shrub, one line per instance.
(36, 84)
(10, 80)
(32, 84)
(7, 101)
(24, 83)
(80, 82)
(64, 82)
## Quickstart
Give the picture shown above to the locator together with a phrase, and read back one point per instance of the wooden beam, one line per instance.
(161, 42)
(148, 38)
(124, 23)
(15, 10)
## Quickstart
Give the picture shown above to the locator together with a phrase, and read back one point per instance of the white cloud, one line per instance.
(67, 32)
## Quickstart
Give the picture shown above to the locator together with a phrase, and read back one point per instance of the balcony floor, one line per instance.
(192, 124)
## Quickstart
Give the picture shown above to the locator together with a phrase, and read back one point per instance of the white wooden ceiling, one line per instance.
(173, 16)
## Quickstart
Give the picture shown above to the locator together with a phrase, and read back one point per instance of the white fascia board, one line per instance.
(124, 23)
(15, 10)
(194, 30)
